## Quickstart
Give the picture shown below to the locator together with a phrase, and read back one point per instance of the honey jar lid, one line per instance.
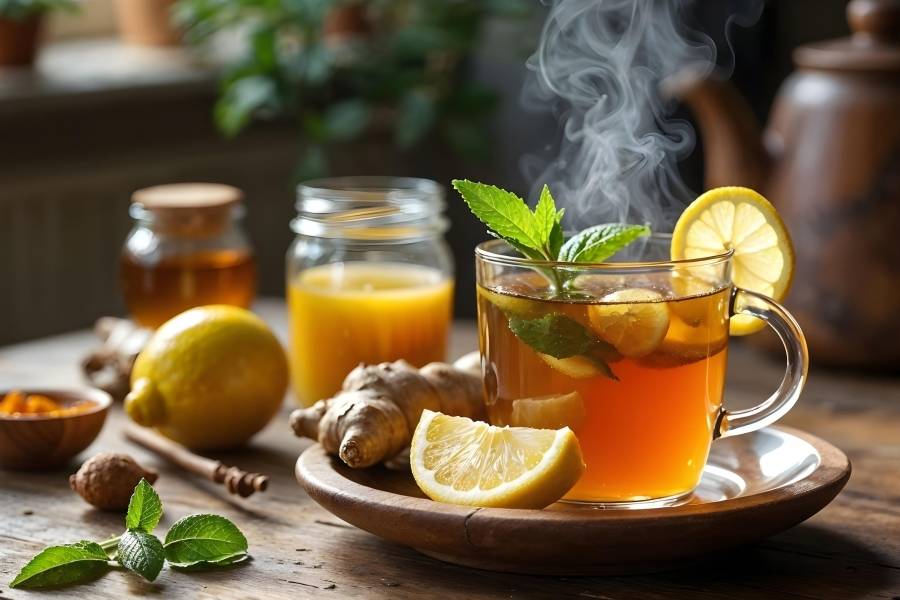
(187, 196)
(193, 209)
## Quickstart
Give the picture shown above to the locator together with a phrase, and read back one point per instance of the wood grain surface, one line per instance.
(849, 550)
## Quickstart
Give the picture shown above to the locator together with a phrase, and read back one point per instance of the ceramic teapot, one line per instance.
(829, 159)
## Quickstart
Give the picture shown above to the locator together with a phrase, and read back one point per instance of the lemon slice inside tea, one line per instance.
(549, 412)
(460, 461)
(633, 320)
(739, 219)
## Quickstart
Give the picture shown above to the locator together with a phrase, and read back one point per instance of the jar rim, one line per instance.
(370, 188)
(381, 209)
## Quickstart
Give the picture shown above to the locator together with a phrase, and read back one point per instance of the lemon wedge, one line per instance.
(739, 219)
(633, 320)
(460, 461)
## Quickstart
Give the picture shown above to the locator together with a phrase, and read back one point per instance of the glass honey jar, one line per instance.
(186, 248)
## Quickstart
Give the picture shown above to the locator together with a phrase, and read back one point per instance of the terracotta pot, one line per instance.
(346, 22)
(19, 40)
(147, 22)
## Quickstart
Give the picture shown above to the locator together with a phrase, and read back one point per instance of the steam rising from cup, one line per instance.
(600, 65)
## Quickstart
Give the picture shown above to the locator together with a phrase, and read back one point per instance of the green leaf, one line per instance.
(142, 553)
(503, 212)
(316, 64)
(556, 235)
(200, 538)
(346, 120)
(596, 244)
(212, 565)
(555, 334)
(241, 100)
(416, 116)
(545, 218)
(63, 565)
(561, 336)
(144, 508)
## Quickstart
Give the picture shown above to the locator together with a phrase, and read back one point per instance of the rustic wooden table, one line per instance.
(849, 550)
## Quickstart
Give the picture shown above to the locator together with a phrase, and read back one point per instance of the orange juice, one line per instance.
(644, 435)
(343, 314)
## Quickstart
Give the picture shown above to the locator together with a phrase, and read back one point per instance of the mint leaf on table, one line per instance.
(144, 508)
(597, 243)
(505, 214)
(203, 538)
(142, 553)
(561, 336)
(63, 565)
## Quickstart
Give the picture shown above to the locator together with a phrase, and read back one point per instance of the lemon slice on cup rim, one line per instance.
(461, 461)
(742, 220)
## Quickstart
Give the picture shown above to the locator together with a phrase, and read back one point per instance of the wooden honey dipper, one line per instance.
(235, 480)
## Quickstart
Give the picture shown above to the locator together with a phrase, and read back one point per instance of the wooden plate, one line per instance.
(755, 485)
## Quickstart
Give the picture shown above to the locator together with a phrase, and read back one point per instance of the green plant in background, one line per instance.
(19, 10)
(342, 69)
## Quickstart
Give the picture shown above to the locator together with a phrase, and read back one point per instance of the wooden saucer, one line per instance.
(754, 486)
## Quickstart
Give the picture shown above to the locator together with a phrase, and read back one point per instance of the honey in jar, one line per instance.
(186, 249)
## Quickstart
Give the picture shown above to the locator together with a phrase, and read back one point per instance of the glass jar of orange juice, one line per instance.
(369, 279)
(185, 249)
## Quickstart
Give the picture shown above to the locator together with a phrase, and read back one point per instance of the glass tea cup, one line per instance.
(631, 356)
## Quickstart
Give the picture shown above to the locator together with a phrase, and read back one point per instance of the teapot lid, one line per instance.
(874, 45)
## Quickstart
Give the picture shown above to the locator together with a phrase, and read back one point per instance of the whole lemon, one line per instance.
(210, 377)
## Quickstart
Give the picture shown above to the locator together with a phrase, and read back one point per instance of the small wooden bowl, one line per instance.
(41, 442)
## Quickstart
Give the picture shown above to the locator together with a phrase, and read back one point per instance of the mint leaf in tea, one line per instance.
(561, 337)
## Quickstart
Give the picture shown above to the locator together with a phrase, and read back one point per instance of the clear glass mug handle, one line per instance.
(778, 404)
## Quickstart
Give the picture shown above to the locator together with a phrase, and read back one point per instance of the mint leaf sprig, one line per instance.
(194, 543)
(538, 235)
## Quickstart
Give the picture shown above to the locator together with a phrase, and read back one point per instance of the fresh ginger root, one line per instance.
(373, 418)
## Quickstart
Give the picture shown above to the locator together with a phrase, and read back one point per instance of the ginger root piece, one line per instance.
(373, 418)
(108, 367)
(107, 480)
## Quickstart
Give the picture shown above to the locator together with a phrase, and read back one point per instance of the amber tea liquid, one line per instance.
(156, 293)
(645, 436)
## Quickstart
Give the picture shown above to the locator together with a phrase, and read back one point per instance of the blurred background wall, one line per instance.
(96, 119)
